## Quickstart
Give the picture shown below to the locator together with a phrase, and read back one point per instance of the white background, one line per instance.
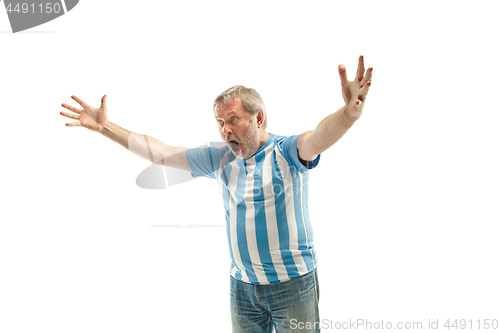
(404, 207)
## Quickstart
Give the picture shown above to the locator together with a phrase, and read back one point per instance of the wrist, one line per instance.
(348, 116)
(353, 112)
(105, 128)
(116, 133)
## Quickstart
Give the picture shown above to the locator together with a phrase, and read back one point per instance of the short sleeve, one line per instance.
(288, 147)
(201, 162)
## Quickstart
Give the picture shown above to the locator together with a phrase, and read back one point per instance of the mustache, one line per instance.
(229, 138)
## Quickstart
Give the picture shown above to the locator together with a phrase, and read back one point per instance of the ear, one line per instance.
(260, 118)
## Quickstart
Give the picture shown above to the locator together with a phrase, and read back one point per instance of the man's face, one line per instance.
(237, 128)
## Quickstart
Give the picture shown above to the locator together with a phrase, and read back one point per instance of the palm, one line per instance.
(90, 117)
(354, 92)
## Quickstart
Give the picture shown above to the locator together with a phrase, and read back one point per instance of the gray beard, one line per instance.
(251, 141)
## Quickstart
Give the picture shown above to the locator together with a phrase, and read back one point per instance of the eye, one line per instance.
(234, 118)
(219, 122)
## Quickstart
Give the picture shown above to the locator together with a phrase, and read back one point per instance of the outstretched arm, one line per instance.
(147, 147)
(312, 143)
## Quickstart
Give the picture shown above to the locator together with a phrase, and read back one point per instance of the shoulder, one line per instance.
(285, 141)
(287, 146)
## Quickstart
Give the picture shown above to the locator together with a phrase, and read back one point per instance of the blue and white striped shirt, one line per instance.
(265, 202)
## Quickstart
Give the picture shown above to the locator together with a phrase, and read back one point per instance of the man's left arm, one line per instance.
(312, 143)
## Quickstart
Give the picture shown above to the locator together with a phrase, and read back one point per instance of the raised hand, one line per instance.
(354, 92)
(92, 118)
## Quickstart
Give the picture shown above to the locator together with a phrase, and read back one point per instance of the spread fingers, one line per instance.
(368, 76)
(69, 115)
(71, 108)
(361, 68)
(82, 103)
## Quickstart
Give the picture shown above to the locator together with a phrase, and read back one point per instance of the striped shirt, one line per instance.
(265, 203)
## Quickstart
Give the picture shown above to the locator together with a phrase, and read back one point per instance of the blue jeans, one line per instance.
(288, 306)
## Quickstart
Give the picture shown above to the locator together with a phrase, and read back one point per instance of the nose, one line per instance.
(227, 129)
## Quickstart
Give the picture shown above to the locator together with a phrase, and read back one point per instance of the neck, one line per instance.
(263, 137)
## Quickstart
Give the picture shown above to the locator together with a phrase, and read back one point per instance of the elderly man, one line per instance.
(263, 180)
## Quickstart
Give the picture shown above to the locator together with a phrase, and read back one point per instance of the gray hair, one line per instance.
(250, 98)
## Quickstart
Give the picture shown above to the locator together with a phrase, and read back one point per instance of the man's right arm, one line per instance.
(149, 148)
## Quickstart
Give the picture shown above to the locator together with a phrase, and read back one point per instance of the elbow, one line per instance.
(307, 147)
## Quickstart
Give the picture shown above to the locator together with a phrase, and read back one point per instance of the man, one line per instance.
(263, 181)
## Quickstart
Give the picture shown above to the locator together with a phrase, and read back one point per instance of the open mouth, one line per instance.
(235, 145)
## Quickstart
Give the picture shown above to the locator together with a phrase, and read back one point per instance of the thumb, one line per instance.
(103, 102)
(359, 104)
(356, 109)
